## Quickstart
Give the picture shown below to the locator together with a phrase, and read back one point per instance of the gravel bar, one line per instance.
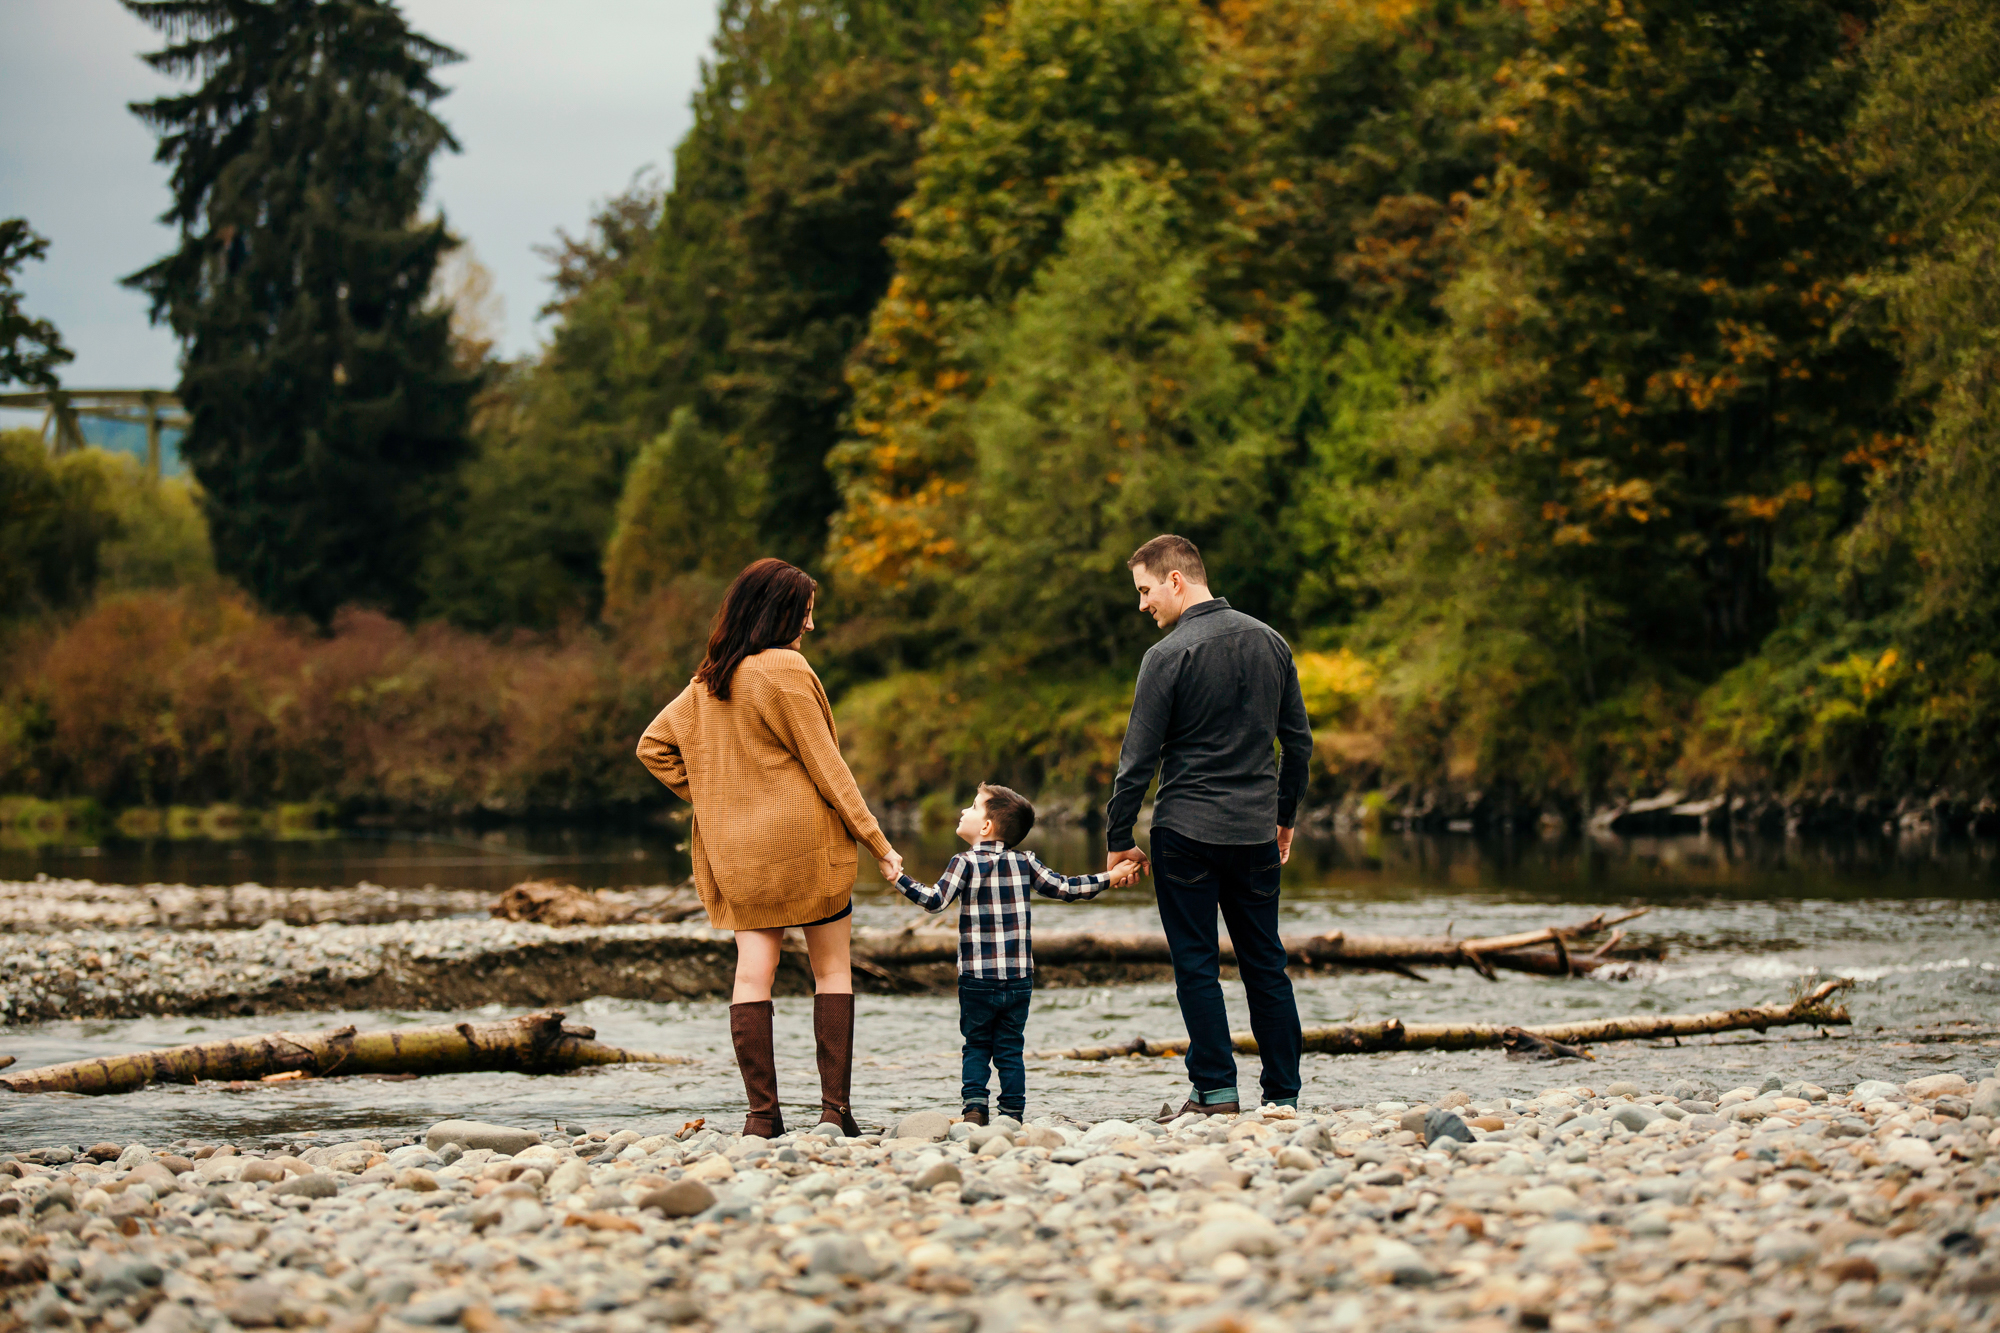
(461, 963)
(1756, 1208)
(45, 904)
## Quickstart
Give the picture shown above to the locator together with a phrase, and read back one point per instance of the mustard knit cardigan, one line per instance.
(776, 811)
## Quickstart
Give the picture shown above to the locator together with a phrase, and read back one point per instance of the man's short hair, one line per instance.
(1012, 813)
(1167, 553)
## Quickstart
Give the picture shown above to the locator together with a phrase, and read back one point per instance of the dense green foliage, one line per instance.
(90, 522)
(317, 373)
(30, 348)
(736, 298)
(1599, 393)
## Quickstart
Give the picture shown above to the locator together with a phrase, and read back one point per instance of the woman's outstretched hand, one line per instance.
(891, 865)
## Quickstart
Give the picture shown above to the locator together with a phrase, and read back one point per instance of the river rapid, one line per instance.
(1915, 926)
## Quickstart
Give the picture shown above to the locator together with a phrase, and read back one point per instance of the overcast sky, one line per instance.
(557, 104)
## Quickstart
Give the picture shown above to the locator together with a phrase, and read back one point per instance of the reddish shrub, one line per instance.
(190, 696)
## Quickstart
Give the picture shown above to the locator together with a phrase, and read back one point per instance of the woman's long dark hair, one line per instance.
(765, 607)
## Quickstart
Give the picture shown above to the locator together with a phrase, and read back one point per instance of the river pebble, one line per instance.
(1554, 1212)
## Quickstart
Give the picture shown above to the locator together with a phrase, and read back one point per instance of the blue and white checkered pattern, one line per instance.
(992, 886)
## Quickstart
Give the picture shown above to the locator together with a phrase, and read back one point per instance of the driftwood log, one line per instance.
(532, 1044)
(1815, 1009)
(556, 904)
(1546, 952)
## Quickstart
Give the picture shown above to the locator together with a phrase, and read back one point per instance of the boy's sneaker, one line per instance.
(1168, 1114)
(975, 1115)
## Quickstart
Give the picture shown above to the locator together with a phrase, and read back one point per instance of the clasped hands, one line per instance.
(1138, 861)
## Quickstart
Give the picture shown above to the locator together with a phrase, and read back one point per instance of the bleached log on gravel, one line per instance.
(1546, 951)
(1814, 1009)
(532, 1044)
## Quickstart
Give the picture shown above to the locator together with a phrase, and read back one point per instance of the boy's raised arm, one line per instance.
(935, 897)
(1068, 888)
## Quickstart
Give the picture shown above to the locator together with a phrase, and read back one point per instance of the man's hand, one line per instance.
(1132, 854)
(1124, 874)
(1284, 845)
(891, 865)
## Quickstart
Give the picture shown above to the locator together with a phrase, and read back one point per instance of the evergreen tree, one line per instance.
(326, 407)
(30, 349)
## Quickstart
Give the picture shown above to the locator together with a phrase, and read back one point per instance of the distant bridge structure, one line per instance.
(64, 409)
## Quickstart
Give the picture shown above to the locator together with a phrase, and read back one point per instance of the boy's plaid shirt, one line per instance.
(992, 886)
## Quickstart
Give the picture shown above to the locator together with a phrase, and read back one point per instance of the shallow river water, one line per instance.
(1916, 927)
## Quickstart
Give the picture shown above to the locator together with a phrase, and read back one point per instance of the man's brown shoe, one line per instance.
(1168, 1114)
(974, 1115)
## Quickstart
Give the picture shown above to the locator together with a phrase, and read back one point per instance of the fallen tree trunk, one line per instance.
(532, 1044)
(1392, 1034)
(1545, 952)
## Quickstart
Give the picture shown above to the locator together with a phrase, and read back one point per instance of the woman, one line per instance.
(750, 744)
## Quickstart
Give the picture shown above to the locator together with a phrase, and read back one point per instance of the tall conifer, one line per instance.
(326, 408)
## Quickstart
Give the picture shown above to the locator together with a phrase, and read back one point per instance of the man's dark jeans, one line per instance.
(1193, 879)
(993, 1019)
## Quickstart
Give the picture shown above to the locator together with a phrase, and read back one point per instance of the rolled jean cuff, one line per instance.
(1214, 1096)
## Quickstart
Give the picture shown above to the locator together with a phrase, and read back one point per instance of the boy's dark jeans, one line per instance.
(1192, 880)
(993, 1019)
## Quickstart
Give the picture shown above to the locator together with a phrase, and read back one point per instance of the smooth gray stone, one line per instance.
(1404, 1265)
(841, 1256)
(471, 1134)
(1553, 1241)
(123, 1277)
(1444, 1125)
(1903, 1259)
(937, 1173)
(1986, 1099)
(1786, 1246)
(318, 1185)
(1302, 1192)
(255, 1305)
(929, 1125)
(440, 1307)
(1313, 1138)
(1635, 1116)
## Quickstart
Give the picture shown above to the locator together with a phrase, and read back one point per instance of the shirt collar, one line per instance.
(989, 845)
(1202, 609)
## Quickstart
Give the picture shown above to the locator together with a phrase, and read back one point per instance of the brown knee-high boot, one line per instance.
(750, 1030)
(833, 1033)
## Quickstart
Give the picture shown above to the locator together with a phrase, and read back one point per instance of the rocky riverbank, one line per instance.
(466, 962)
(455, 964)
(1580, 1209)
(68, 904)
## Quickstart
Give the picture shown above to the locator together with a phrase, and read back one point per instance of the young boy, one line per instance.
(996, 964)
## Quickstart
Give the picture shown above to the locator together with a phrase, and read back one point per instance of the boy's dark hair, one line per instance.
(1012, 813)
(1167, 553)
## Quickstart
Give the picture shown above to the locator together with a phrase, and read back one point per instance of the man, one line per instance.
(1211, 698)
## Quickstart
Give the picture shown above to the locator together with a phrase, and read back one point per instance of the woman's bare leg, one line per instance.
(827, 947)
(757, 964)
